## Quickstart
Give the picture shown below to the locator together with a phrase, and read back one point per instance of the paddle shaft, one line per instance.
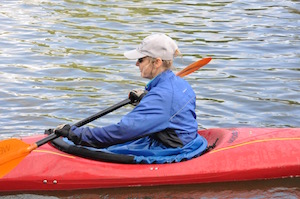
(102, 113)
(86, 121)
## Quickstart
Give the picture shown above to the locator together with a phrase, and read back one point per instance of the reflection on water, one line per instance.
(61, 61)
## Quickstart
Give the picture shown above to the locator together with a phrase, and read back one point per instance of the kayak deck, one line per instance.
(240, 154)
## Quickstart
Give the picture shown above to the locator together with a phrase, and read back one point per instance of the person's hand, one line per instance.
(136, 95)
(62, 130)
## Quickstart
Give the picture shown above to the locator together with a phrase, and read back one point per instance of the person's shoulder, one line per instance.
(180, 80)
(164, 89)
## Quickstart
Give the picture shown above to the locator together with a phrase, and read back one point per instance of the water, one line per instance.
(62, 61)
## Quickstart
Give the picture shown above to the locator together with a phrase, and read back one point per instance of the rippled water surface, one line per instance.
(62, 60)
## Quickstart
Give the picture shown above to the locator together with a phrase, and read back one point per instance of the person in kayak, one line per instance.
(162, 127)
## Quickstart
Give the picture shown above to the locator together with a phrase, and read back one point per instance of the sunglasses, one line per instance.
(140, 60)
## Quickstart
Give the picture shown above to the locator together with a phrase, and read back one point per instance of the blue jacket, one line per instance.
(164, 120)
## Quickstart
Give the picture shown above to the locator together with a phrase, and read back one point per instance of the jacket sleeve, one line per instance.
(150, 116)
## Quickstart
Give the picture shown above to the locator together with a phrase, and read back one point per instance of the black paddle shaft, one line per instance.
(87, 120)
(102, 113)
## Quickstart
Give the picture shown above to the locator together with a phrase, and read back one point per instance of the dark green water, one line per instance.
(62, 60)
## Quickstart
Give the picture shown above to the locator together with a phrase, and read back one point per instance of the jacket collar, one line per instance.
(159, 78)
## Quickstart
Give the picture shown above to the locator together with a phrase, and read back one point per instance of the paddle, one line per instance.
(12, 151)
(193, 67)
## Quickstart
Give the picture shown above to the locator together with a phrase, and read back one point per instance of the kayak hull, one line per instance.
(240, 154)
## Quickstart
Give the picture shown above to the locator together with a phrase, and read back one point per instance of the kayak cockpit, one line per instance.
(99, 155)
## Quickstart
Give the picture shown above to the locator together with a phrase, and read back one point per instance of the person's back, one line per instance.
(177, 101)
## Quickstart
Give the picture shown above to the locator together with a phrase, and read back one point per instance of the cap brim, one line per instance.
(133, 54)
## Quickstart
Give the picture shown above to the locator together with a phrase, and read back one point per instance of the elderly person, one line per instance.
(162, 127)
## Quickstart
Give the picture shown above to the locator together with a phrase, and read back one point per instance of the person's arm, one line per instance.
(150, 116)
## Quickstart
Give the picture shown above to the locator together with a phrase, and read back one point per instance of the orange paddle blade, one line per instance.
(193, 67)
(12, 152)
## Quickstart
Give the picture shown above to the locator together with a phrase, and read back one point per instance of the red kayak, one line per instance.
(239, 154)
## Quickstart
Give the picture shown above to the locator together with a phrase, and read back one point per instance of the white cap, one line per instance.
(156, 46)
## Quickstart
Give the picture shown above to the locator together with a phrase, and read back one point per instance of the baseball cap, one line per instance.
(156, 46)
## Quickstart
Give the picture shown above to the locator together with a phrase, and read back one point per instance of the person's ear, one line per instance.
(158, 62)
